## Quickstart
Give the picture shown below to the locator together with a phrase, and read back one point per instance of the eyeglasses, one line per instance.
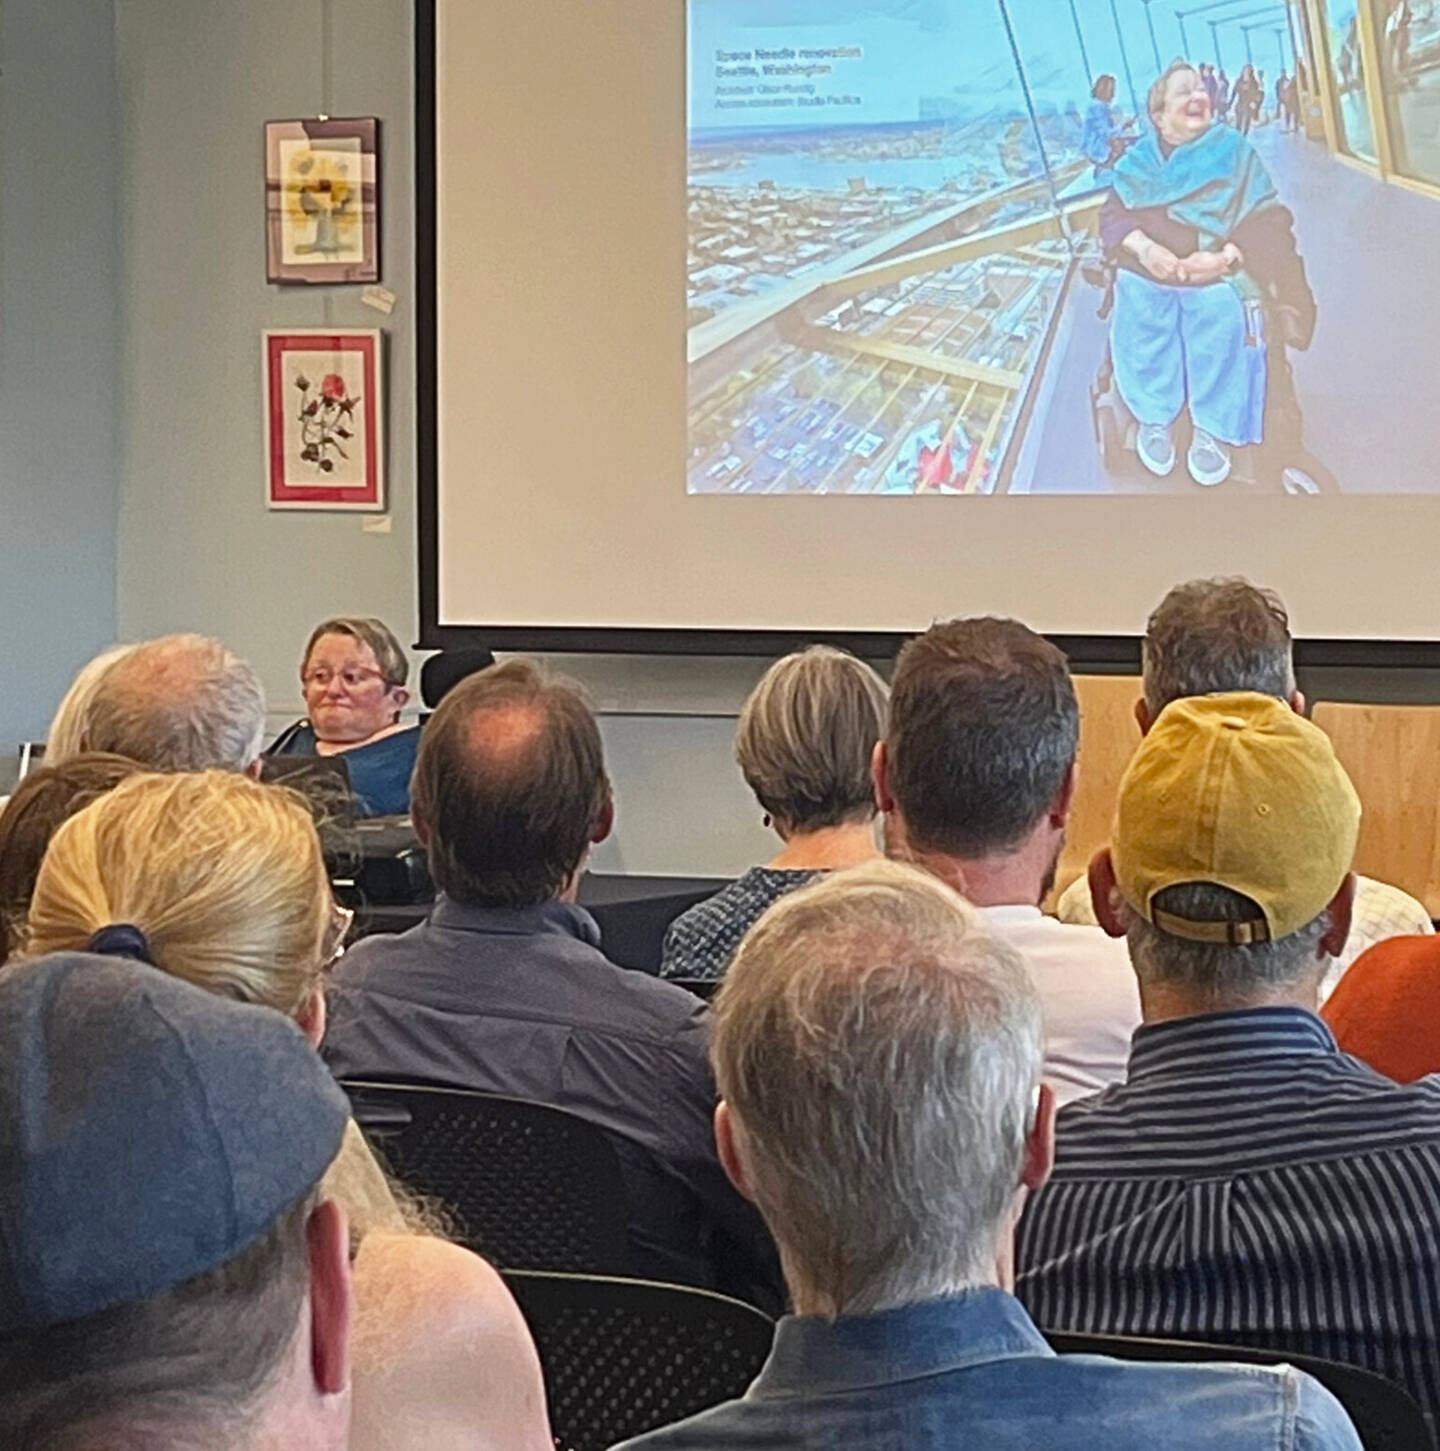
(341, 921)
(352, 677)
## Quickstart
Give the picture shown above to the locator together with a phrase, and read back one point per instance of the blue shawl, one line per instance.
(1211, 183)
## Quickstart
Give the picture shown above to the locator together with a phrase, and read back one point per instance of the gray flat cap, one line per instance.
(149, 1131)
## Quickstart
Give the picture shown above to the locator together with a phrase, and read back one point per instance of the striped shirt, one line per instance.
(1249, 1183)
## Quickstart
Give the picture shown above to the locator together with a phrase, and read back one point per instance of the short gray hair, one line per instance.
(179, 703)
(806, 735)
(1217, 972)
(1212, 635)
(880, 1051)
(389, 654)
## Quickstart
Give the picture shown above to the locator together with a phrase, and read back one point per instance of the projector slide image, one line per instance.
(1048, 246)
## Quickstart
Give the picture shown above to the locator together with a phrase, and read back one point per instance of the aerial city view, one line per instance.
(815, 367)
(897, 379)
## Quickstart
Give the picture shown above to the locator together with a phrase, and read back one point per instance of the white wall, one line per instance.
(59, 384)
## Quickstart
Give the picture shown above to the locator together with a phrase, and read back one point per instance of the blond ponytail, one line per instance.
(223, 875)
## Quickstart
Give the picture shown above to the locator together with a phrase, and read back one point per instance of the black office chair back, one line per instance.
(622, 1357)
(527, 1186)
(1386, 1416)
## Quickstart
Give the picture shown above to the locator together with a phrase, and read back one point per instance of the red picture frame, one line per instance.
(324, 419)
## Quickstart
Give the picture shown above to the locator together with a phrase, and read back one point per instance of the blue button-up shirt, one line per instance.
(521, 1001)
(972, 1371)
(1248, 1182)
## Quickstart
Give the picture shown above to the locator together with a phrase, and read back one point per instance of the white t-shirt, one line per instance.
(1380, 911)
(1088, 991)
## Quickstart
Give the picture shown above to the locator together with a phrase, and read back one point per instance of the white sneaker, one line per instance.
(1156, 448)
(1208, 459)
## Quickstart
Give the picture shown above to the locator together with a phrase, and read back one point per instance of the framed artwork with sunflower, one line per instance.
(322, 200)
(324, 419)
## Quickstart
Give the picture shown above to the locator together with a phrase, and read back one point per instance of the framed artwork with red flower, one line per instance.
(324, 419)
(322, 200)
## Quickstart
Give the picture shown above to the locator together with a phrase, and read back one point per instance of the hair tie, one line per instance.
(122, 939)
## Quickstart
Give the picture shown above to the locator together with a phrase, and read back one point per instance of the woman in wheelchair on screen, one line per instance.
(1204, 249)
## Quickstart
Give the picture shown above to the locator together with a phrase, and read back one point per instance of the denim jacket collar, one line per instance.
(812, 1354)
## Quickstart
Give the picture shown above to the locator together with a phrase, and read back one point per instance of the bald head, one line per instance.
(179, 703)
(510, 787)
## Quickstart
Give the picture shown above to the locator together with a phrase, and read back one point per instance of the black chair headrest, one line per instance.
(441, 673)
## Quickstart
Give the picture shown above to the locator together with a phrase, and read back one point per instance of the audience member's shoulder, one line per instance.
(1087, 938)
(1074, 904)
(664, 1005)
(443, 1354)
(1205, 1407)
(1122, 1405)
(1400, 910)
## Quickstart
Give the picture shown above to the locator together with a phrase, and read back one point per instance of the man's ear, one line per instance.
(1101, 875)
(1143, 718)
(727, 1132)
(311, 1017)
(880, 774)
(1064, 797)
(1342, 910)
(1040, 1141)
(1297, 701)
(253, 769)
(331, 1301)
(604, 822)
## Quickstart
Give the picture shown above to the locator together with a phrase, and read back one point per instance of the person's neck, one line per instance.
(1165, 1002)
(999, 879)
(809, 1299)
(827, 848)
(334, 748)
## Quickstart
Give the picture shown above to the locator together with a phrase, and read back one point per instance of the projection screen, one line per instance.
(757, 318)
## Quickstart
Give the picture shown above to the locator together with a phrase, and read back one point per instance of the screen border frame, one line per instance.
(1113, 653)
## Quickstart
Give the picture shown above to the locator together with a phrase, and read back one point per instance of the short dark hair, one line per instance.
(1211, 635)
(984, 726)
(508, 824)
(193, 1361)
(42, 801)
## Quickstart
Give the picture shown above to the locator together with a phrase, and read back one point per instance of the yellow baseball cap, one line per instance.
(1238, 790)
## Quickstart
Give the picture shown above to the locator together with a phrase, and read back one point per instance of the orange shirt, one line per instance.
(1386, 1009)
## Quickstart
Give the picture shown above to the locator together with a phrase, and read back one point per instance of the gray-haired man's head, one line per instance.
(878, 1053)
(1209, 636)
(179, 703)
